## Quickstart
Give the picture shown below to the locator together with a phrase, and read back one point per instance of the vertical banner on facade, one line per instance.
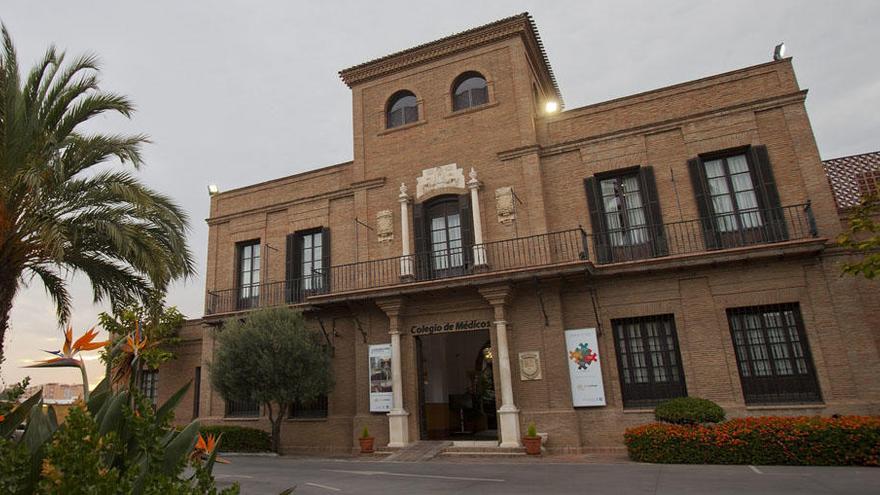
(381, 397)
(584, 367)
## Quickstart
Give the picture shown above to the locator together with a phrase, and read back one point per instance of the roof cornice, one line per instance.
(521, 25)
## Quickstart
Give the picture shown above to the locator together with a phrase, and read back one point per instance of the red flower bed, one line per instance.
(804, 440)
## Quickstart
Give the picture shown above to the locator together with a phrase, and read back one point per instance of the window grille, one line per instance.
(648, 360)
(772, 355)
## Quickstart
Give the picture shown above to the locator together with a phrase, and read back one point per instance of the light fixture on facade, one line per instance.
(779, 52)
(213, 189)
(551, 106)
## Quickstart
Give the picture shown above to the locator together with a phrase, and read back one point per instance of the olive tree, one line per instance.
(270, 357)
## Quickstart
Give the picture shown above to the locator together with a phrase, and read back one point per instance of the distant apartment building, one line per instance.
(58, 393)
(489, 259)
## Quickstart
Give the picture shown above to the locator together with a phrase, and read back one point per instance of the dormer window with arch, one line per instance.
(470, 90)
(402, 109)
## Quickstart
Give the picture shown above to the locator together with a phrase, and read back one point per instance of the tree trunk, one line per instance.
(276, 422)
(8, 288)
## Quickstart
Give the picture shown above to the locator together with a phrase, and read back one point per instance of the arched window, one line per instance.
(403, 108)
(470, 90)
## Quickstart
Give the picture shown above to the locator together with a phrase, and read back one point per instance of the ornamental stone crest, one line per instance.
(385, 225)
(505, 207)
(530, 365)
(444, 177)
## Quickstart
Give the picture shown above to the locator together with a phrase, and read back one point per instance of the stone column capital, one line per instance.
(496, 295)
(403, 197)
(473, 182)
(392, 307)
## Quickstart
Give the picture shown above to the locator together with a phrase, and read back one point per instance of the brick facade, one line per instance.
(545, 158)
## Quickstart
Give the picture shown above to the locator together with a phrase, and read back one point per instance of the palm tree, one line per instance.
(59, 215)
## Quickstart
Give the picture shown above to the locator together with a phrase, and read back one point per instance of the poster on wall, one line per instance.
(381, 397)
(584, 367)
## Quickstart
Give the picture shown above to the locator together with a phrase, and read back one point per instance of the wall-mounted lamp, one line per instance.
(213, 189)
(551, 106)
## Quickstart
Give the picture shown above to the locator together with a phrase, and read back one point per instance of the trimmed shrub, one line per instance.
(809, 441)
(239, 438)
(689, 411)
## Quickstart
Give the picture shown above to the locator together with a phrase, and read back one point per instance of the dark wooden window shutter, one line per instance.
(768, 195)
(704, 208)
(654, 214)
(420, 244)
(325, 259)
(467, 227)
(601, 242)
(294, 268)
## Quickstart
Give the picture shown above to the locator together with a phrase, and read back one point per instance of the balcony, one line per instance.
(573, 249)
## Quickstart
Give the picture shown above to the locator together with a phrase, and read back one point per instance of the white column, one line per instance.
(398, 423)
(406, 262)
(508, 414)
(479, 250)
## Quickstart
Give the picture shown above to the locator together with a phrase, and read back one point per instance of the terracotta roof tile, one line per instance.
(852, 176)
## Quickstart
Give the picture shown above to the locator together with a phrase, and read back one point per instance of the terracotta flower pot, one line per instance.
(533, 445)
(366, 445)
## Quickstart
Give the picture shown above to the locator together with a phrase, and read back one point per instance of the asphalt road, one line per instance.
(271, 475)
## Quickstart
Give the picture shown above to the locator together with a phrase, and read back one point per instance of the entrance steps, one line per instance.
(481, 448)
(423, 450)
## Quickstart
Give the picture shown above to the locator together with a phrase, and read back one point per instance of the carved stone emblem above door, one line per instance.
(440, 180)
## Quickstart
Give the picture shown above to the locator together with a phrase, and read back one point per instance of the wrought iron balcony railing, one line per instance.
(734, 230)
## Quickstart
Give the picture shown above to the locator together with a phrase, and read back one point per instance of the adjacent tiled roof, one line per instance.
(852, 176)
(450, 44)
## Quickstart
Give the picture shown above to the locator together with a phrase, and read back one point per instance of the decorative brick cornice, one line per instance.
(519, 25)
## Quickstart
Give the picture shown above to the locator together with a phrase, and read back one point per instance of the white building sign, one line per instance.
(381, 397)
(584, 367)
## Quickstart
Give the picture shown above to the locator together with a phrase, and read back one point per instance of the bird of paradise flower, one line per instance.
(66, 357)
(204, 448)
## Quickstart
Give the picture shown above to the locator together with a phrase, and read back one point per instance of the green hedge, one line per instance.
(239, 438)
(815, 441)
(689, 411)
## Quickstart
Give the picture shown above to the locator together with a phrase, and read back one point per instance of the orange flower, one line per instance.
(67, 353)
(204, 448)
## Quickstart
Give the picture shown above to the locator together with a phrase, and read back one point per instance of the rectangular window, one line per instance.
(772, 354)
(312, 266)
(308, 263)
(732, 194)
(625, 215)
(648, 360)
(150, 385)
(737, 198)
(242, 409)
(314, 409)
(624, 212)
(248, 274)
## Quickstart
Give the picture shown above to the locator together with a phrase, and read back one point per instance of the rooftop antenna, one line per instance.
(779, 52)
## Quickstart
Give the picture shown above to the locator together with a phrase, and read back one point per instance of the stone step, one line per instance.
(419, 451)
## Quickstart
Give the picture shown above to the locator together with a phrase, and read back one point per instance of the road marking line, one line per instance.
(406, 475)
(325, 487)
(756, 470)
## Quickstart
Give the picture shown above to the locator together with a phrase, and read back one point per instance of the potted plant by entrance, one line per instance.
(532, 441)
(366, 442)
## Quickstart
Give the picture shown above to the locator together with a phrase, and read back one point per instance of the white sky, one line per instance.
(234, 93)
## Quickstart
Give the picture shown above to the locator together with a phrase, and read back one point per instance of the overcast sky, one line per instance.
(234, 93)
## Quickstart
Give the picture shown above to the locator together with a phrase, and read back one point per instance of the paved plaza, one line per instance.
(271, 475)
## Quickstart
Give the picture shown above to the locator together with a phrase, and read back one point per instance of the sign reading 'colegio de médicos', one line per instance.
(452, 326)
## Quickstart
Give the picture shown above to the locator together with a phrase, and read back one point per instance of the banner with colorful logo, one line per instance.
(381, 397)
(584, 367)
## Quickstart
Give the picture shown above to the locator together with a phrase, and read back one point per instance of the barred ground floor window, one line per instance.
(772, 354)
(242, 409)
(149, 385)
(648, 360)
(313, 409)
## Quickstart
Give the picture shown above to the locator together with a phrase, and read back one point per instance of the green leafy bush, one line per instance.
(689, 411)
(813, 441)
(532, 431)
(239, 438)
